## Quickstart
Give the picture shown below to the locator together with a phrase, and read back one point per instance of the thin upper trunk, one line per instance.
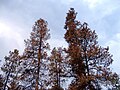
(58, 73)
(39, 58)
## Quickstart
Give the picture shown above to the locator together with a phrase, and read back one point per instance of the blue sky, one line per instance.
(18, 16)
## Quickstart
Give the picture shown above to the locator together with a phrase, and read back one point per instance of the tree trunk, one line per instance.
(6, 81)
(39, 58)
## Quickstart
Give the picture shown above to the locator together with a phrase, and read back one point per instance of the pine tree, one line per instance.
(57, 67)
(89, 62)
(10, 68)
(35, 56)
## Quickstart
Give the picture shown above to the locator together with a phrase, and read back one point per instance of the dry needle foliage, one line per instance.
(89, 61)
(84, 63)
(35, 55)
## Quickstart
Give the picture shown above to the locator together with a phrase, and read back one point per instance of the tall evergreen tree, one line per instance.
(57, 67)
(10, 68)
(89, 62)
(35, 56)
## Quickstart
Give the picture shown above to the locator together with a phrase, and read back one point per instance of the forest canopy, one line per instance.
(83, 63)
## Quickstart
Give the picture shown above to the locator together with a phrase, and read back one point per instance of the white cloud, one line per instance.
(8, 33)
(102, 7)
(114, 45)
(93, 3)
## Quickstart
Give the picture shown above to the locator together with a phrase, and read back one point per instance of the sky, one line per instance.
(18, 16)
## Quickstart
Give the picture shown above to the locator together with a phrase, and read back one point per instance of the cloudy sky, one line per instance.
(18, 16)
